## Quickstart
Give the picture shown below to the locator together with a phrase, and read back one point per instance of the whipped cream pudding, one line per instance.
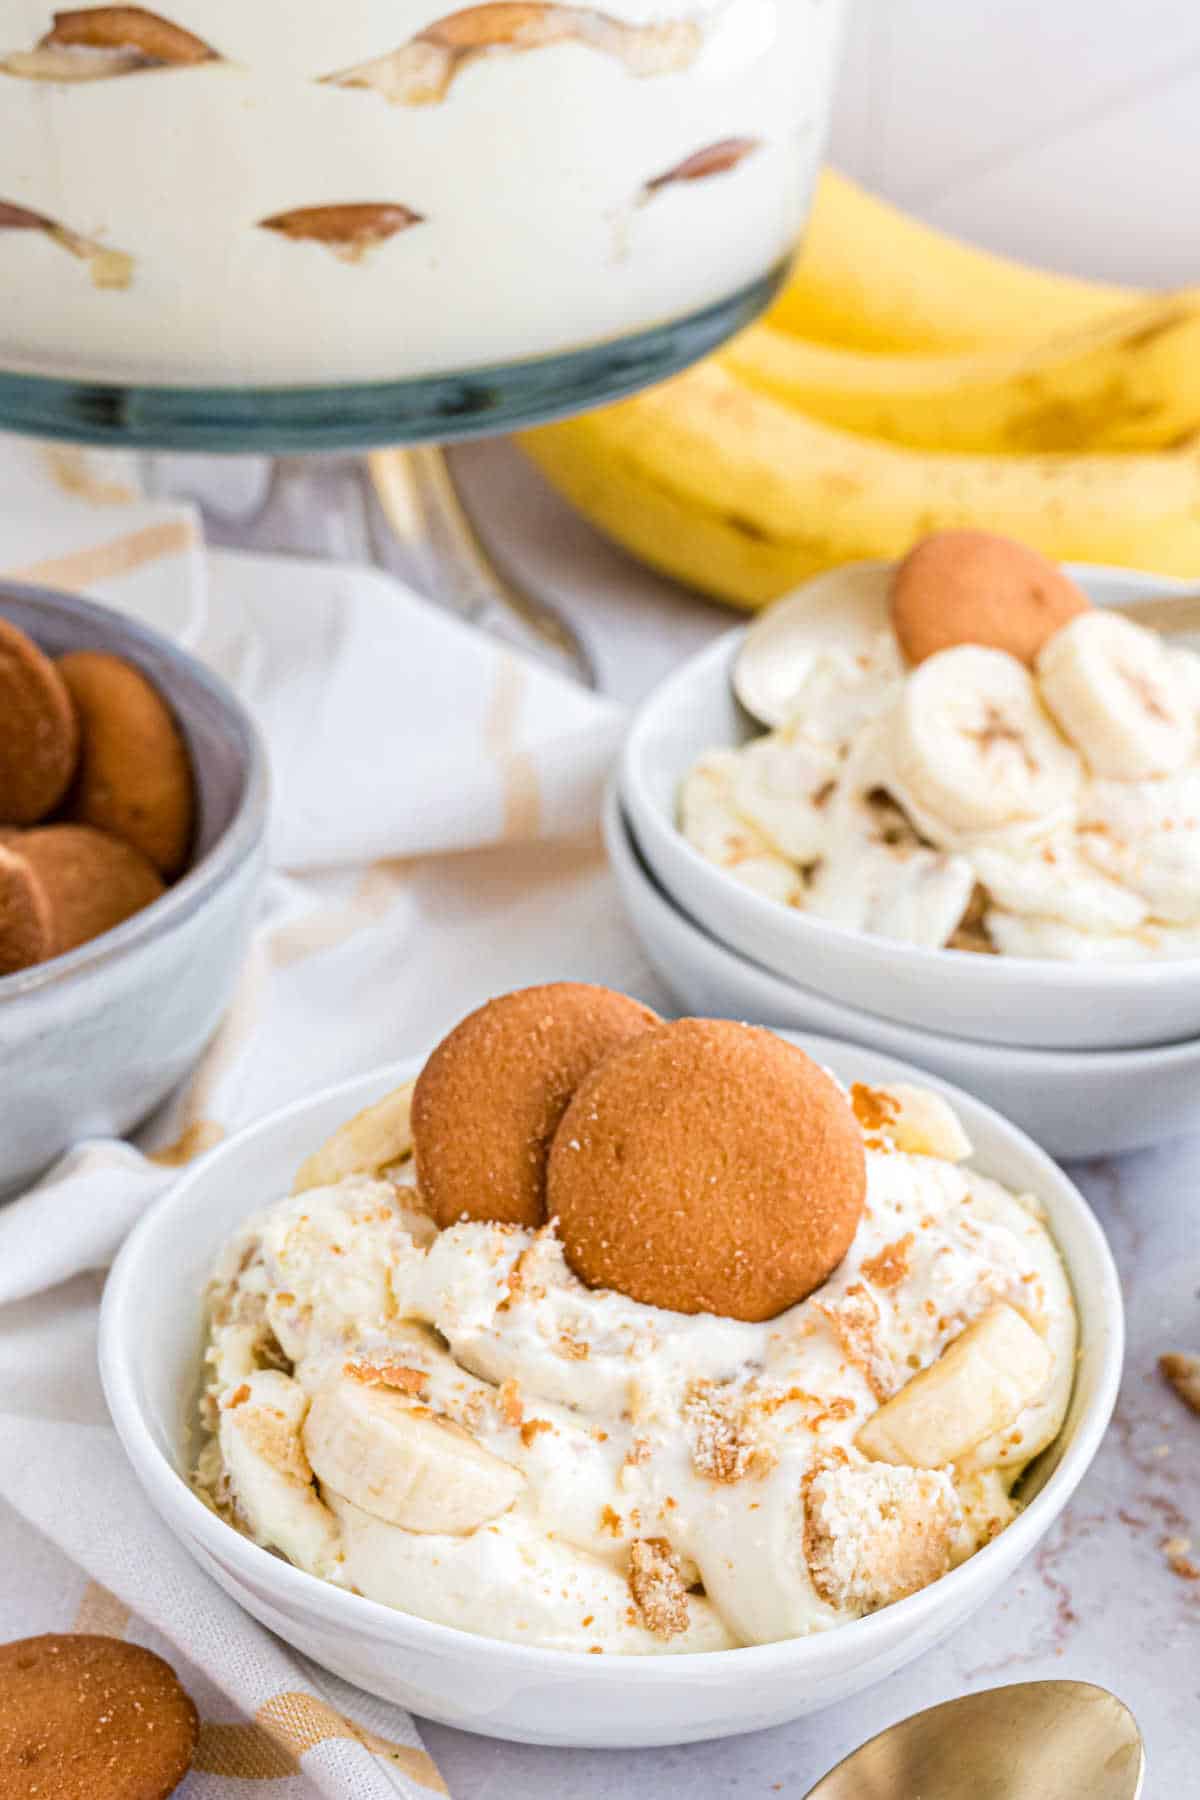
(1032, 789)
(220, 193)
(451, 1422)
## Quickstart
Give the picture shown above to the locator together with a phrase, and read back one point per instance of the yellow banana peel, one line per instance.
(872, 278)
(1132, 383)
(725, 488)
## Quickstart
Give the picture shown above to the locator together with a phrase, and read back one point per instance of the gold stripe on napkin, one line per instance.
(518, 773)
(78, 570)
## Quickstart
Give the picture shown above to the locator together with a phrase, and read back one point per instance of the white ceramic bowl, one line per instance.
(994, 999)
(1075, 1103)
(150, 1347)
(91, 1042)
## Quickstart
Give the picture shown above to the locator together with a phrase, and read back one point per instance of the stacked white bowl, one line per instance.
(1091, 1058)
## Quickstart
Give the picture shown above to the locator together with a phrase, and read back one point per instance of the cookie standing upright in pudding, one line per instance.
(39, 737)
(91, 1718)
(489, 1098)
(975, 587)
(708, 1167)
(135, 775)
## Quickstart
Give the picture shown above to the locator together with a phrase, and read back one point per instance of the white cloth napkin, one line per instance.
(434, 841)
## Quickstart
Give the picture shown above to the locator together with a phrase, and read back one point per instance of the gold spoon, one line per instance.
(1039, 1740)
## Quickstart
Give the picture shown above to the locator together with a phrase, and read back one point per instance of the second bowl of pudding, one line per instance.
(1046, 1002)
(1077, 1104)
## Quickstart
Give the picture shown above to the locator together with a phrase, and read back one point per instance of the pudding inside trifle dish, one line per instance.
(986, 761)
(215, 192)
(614, 1335)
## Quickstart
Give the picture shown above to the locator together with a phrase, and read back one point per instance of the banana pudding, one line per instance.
(987, 763)
(451, 1420)
(221, 193)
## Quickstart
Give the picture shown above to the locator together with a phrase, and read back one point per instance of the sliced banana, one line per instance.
(711, 824)
(913, 896)
(843, 693)
(978, 1386)
(403, 1463)
(259, 1431)
(925, 899)
(1115, 691)
(368, 1143)
(1146, 834)
(973, 750)
(875, 874)
(924, 1124)
(783, 785)
(1052, 881)
(845, 610)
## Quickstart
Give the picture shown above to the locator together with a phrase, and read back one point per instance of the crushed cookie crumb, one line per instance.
(723, 1444)
(1183, 1373)
(570, 1347)
(515, 1286)
(399, 1376)
(531, 1428)
(855, 1321)
(274, 1437)
(1176, 1549)
(239, 1396)
(610, 1521)
(767, 1404)
(639, 1451)
(657, 1587)
(891, 1265)
(474, 1410)
(874, 1109)
(508, 1399)
(839, 1408)
(874, 1535)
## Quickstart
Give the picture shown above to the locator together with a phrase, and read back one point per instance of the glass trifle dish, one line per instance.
(301, 225)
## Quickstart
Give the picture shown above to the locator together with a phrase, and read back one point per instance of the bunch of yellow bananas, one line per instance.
(901, 383)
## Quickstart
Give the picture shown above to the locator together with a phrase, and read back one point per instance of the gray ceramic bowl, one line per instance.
(91, 1042)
